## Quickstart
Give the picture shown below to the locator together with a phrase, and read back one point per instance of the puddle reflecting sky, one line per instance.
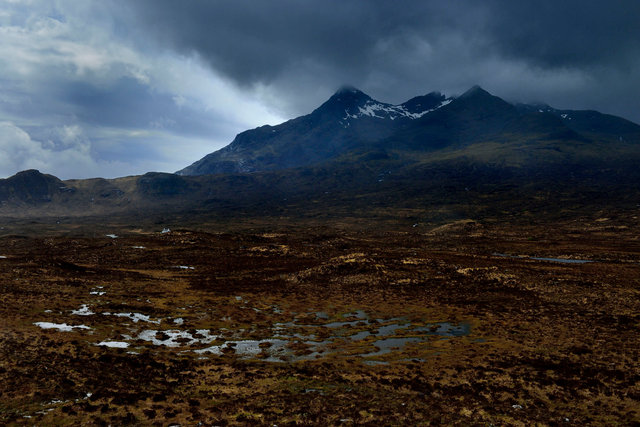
(308, 336)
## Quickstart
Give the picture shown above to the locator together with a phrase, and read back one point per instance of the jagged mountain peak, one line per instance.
(345, 97)
(349, 103)
(475, 90)
(480, 103)
(348, 89)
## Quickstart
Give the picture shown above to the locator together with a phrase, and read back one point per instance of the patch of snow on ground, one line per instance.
(165, 230)
(248, 348)
(83, 311)
(171, 337)
(135, 317)
(349, 116)
(185, 267)
(113, 236)
(62, 327)
(114, 344)
(3, 257)
(138, 247)
(97, 293)
(178, 321)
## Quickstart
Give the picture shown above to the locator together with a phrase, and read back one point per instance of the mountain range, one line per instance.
(430, 158)
(351, 121)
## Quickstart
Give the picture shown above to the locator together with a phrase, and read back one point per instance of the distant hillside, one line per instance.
(31, 187)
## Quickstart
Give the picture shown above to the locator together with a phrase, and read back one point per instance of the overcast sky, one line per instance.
(119, 87)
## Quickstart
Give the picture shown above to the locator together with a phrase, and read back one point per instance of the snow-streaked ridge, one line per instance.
(387, 111)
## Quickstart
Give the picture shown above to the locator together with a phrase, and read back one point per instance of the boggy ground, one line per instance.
(310, 325)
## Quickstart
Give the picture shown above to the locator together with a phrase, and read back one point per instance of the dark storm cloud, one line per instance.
(257, 41)
(568, 33)
(127, 103)
(573, 53)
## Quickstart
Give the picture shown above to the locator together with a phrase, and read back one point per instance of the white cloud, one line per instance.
(16, 148)
(55, 56)
(71, 135)
(19, 151)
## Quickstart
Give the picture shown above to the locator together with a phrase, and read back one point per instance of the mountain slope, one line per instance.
(349, 120)
(590, 123)
(474, 116)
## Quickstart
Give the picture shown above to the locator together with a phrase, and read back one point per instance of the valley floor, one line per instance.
(459, 324)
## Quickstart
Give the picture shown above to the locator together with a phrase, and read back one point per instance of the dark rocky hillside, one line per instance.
(351, 121)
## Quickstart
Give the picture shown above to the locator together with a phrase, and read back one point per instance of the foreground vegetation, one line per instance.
(333, 325)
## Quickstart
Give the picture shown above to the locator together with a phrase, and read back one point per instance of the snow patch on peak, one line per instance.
(349, 115)
(422, 113)
(387, 111)
(372, 108)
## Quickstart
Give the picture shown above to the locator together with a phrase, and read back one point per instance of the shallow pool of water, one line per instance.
(270, 350)
(562, 260)
(355, 336)
(386, 345)
(443, 329)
